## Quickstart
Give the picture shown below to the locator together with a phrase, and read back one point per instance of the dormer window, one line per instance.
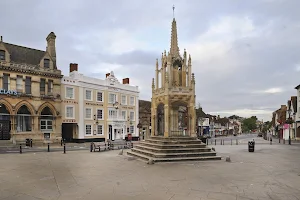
(46, 63)
(2, 55)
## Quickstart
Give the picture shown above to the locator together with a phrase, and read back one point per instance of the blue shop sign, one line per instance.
(11, 92)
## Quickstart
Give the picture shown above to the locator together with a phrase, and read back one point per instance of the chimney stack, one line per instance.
(107, 75)
(73, 67)
(1, 38)
(51, 49)
(126, 81)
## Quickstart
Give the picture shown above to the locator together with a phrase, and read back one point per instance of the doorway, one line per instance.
(4, 123)
(4, 130)
(67, 131)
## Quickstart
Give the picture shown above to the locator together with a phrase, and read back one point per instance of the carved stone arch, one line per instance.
(49, 105)
(7, 105)
(27, 104)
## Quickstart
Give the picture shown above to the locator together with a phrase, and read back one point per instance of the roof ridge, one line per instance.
(24, 47)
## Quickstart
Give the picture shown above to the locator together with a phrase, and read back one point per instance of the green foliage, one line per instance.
(249, 124)
(234, 117)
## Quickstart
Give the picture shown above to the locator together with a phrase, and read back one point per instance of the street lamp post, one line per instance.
(289, 111)
(295, 124)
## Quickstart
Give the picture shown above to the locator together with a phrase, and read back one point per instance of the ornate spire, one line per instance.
(174, 49)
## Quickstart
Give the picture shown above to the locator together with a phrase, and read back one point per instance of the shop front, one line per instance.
(22, 120)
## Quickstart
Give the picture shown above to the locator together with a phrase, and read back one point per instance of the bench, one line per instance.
(100, 146)
(119, 144)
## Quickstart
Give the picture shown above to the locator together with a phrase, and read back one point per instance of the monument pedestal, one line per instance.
(169, 149)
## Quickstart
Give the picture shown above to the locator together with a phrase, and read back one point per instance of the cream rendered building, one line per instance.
(96, 110)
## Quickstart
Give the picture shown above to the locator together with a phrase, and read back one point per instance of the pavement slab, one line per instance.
(271, 172)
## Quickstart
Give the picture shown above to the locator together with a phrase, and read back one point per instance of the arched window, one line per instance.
(4, 113)
(46, 119)
(24, 119)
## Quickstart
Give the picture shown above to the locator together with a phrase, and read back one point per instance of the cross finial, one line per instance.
(173, 11)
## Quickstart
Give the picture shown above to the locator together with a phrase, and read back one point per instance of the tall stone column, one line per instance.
(166, 115)
(192, 121)
(153, 121)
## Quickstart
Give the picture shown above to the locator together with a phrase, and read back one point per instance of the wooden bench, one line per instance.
(118, 144)
(100, 146)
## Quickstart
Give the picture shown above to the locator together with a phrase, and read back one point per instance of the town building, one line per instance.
(144, 119)
(96, 109)
(30, 104)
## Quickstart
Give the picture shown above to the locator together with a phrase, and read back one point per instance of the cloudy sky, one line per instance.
(245, 54)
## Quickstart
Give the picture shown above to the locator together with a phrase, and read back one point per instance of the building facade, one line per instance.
(98, 109)
(30, 104)
(145, 119)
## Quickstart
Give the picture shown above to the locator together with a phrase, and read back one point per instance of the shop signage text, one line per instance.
(11, 92)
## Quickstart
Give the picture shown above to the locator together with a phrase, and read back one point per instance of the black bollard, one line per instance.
(270, 141)
(91, 147)
(215, 142)
(48, 147)
(30, 142)
(61, 142)
(279, 140)
(231, 141)
(64, 147)
(20, 148)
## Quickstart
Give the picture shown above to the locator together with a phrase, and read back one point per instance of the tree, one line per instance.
(249, 124)
(234, 117)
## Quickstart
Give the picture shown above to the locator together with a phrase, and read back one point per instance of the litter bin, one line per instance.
(28, 142)
(251, 145)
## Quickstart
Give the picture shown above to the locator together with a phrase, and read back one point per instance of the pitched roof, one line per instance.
(145, 105)
(20, 54)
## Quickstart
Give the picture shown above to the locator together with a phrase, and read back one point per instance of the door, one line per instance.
(4, 130)
(110, 132)
(67, 132)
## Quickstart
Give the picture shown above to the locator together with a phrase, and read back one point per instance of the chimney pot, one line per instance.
(126, 81)
(107, 75)
(73, 67)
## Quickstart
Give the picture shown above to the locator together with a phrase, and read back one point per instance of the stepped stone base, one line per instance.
(161, 149)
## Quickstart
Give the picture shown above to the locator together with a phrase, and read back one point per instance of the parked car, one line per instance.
(259, 135)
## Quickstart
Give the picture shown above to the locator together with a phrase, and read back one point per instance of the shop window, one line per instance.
(24, 119)
(46, 121)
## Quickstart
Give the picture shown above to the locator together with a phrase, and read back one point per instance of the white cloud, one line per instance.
(112, 41)
(213, 50)
(273, 90)
(297, 67)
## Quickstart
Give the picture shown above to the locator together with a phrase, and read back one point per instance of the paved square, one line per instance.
(271, 172)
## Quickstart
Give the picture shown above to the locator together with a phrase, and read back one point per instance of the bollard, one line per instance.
(48, 147)
(223, 142)
(91, 147)
(64, 148)
(206, 141)
(20, 148)
(283, 141)
(215, 142)
(236, 142)
(231, 141)
(61, 142)
(30, 142)
(279, 140)
(270, 141)
(220, 142)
